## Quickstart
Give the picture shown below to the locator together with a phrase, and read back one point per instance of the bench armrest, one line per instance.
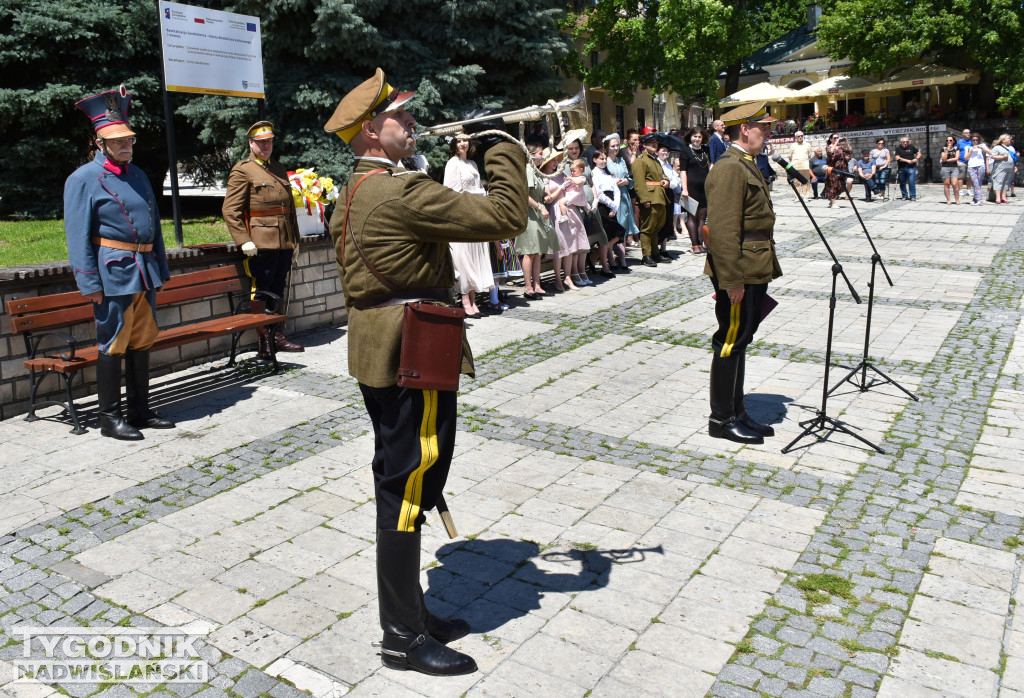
(38, 337)
(245, 306)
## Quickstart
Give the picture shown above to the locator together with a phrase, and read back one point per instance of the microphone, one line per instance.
(795, 174)
(821, 172)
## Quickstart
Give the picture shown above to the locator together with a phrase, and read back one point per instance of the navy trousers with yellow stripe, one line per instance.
(736, 323)
(736, 327)
(414, 438)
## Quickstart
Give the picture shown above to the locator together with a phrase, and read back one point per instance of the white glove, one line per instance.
(249, 248)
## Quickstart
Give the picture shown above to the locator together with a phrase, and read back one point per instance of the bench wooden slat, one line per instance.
(22, 306)
(189, 293)
(54, 318)
(201, 277)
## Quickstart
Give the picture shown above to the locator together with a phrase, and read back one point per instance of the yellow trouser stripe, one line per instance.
(252, 279)
(428, 456)
(734, 328)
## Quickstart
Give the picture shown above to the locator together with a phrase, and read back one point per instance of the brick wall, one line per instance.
(315, 301)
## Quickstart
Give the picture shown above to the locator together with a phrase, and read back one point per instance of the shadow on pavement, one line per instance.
(769, 408)
(500, 580)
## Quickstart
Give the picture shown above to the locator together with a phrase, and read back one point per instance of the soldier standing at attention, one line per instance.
(651, 189)
(401, 222)
(116, 249)
(741, 261)
(260, 214)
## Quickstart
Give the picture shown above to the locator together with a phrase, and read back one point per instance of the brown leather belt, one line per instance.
(763, 236)
(654, 184)
(269, 212)
(119, 245)
(382, 300)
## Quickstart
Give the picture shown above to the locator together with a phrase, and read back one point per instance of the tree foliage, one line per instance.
(456, 55)
(878, 35)
(678, 46)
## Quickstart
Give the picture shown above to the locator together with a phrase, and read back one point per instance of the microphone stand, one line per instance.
(821, 421)
(865, 362)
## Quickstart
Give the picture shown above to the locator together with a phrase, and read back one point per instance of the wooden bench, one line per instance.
(45, 316)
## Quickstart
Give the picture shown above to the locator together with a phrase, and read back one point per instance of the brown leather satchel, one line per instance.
(431, 357)
(432, 332)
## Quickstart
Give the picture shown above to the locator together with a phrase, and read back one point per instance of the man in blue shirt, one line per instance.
(963, 144)
(116, 250)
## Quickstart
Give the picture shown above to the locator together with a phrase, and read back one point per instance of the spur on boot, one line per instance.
(422, 653)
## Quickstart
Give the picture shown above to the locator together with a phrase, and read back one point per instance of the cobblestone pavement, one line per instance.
(609, 547)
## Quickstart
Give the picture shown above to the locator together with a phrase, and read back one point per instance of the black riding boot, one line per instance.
(723, 423)
(408, 644)
(108, 390)
(136, 390)
(741, 409)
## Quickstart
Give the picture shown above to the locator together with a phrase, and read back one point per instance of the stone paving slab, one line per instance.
(609, 546)
(922, 328)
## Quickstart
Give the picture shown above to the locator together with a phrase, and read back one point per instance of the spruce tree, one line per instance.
(456, 55)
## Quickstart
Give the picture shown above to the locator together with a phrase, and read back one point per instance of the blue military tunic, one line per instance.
(107, 200)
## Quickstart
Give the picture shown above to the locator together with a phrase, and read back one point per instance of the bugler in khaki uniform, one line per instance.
(260, 214)
(402, 222)
(741, 261)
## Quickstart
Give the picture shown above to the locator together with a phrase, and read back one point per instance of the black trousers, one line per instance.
(414, 438)
(268, 271)
(736, 323)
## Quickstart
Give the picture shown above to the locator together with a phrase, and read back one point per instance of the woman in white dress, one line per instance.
(472, 260)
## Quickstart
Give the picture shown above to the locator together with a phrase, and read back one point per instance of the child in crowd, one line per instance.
(573, 187)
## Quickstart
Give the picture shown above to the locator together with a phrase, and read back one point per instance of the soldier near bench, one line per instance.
(116, 249)
(741, 262)
(260, 215)
(401, 222)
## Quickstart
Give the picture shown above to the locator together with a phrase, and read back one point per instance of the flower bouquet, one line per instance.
(312, 193)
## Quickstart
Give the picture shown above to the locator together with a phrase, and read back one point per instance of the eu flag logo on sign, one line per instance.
(250, 26)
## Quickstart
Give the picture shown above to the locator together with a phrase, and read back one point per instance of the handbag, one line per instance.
(430, 356)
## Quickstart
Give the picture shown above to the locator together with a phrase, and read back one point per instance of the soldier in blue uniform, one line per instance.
(117, 252)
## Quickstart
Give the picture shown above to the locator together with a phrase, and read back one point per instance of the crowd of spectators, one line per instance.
(584, 207)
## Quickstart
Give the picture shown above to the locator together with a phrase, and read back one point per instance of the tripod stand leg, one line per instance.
(812, 426)
(839, 426)
(823, 422)
(849, 377)
(891, 381)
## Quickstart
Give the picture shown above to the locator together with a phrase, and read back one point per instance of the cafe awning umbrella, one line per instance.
(837, 85)
(761, 92)
(926, 75)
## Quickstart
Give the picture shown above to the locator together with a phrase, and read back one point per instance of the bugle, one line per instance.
(576, 104)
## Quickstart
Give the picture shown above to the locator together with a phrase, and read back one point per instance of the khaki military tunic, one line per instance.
(403, 222)
(648, 169)
(254, 188)
(741, 223)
